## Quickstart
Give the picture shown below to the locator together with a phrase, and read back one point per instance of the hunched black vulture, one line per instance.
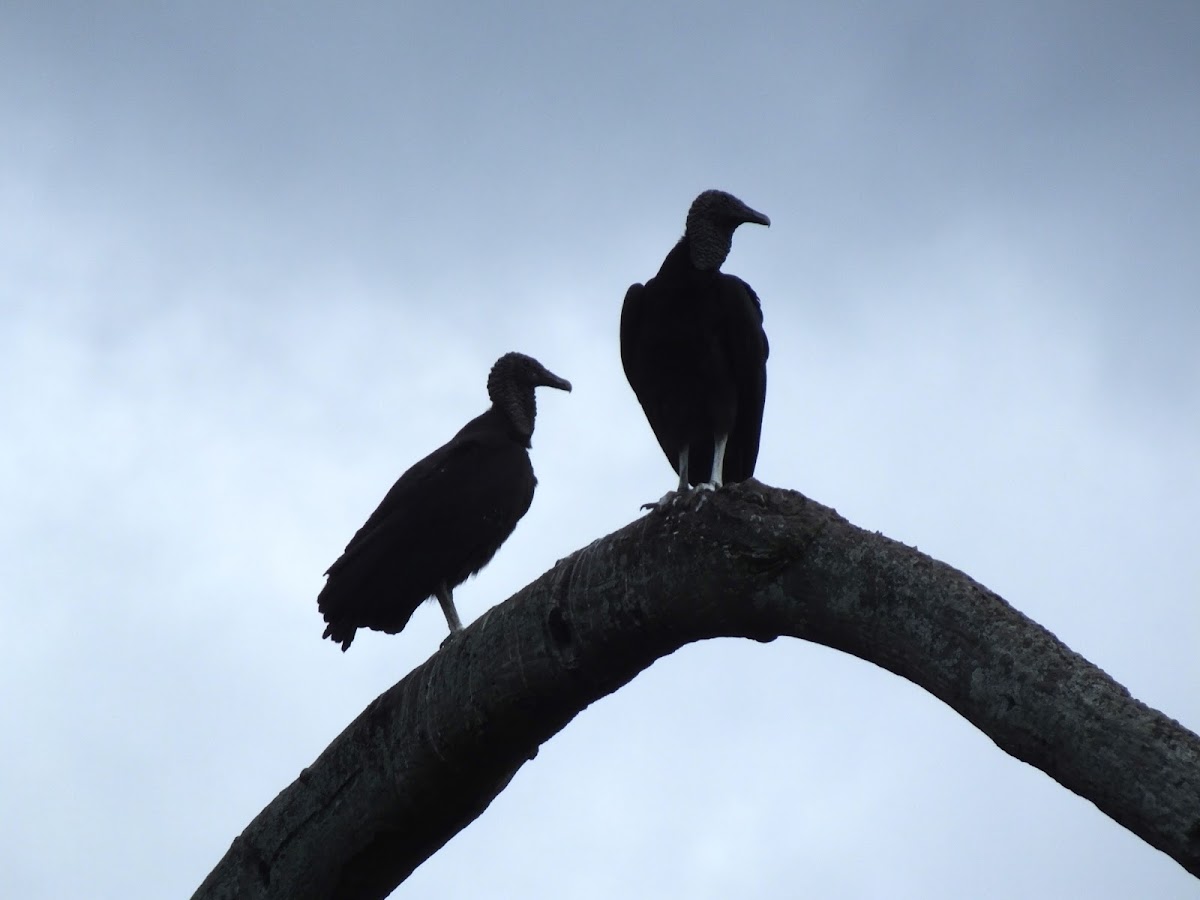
(445, 518)
(695, 353)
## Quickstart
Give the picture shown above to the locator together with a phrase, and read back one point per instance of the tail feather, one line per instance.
(340, 633)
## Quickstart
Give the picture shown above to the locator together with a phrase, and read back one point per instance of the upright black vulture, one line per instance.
(694, 350)
(445, 518)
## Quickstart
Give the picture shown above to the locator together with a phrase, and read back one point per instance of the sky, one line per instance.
(255, 260)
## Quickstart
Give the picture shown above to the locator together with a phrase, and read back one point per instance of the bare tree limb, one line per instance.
(429, 755)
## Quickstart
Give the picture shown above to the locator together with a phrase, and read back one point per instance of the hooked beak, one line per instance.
(549, 379)
(755, 217)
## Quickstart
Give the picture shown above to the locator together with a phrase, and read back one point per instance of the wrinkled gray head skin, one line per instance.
(510, 387)
(711, 221)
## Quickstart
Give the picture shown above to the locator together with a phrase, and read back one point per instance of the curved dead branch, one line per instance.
(428, 755)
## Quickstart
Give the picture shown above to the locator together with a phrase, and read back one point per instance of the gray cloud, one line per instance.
(253, 264)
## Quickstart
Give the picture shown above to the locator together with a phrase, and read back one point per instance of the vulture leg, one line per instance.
(715, 479)
(671, 497)
(716, 476)
(446, 598)
(683, 469)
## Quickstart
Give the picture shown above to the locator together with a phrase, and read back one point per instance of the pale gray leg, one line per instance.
(683, 469)
(446, 599)
(671, 496)
(717, 477)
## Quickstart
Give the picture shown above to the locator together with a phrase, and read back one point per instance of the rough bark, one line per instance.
(428, 755)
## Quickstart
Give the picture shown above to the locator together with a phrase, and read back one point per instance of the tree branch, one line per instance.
(428, 755)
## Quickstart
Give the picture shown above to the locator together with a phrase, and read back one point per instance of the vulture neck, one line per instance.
(516, 403)
(708, 244)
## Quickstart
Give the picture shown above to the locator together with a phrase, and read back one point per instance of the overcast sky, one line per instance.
(255, 260)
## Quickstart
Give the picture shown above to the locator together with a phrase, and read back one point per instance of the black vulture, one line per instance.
(695, 353)
(445, 518)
